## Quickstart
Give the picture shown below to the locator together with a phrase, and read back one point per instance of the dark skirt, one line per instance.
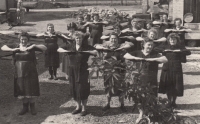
(26, 82)
(95, 38)
(65, 64)
(79, 84)
(171, 82)
(52, 59)
(150, 79)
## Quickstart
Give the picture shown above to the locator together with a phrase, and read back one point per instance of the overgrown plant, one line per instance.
(155, 108)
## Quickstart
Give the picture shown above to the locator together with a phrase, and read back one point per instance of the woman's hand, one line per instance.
(30, 47)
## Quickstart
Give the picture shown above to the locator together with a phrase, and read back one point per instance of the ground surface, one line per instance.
(54, 105)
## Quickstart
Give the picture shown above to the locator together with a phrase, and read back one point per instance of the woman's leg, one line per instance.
(78, 107)
(121, 100)
(25, 106)
(174, 101)
(51, 72)
(84, 103)
(169, 96)
(107, 106)
(32, 106)
(55, 73)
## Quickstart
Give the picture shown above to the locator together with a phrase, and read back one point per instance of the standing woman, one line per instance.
(113, 48)
(148, 68)
(26, 83)
(135, 30)
(79, 54)
(51, 54)
(171, 80)
(96, 30)
(180, 30)
(163, 24)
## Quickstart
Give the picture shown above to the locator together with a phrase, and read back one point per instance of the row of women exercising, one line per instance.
(134, 43)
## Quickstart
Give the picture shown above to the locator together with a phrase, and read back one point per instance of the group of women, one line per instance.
(140, 45)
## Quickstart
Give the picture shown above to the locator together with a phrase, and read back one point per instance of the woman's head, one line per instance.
(173, 39)
(23, 38)
(80, 18)
(149, 25)
(178, 22)
(78, 36)
(96, 17)
(165, 17)
(71, 27)
(50, 28)
(117, 28)
(147, 45)
(114, 39)
(152, 34)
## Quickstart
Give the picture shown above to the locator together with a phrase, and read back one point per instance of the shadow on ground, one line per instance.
(188, 86)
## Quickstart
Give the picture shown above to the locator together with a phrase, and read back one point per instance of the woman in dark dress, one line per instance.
(171, 80)
(135, 30)
(78, 55)
(113, 48)
(179, 30)
(148, 68)
(26, 83)
(162, 25)
(51, 54)
(96, 30)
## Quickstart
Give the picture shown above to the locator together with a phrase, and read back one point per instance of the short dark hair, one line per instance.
(177, 19)
(117, 25)
(71, 25)
(23, 34)
(173, 35)
(115, 34)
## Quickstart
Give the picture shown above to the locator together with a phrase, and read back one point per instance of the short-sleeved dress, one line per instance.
(148, 70)
(65, 58)
(116, 89)
(26, 82)
(51, 54)
(77, 71)
(171, 80)
(96, 33)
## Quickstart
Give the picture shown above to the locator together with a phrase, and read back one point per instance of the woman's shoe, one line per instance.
(83, 113)
(106, 107)
(76, 111)
(33, 110)
(123, 108)
(50, 78)
(24, 109)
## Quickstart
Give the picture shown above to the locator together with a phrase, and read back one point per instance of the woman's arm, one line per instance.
(39, 47)
(186, 51)
(130, 57)
(61, 50)
(161, 59)
(104, 37)
(157, 22)
(93, 52)
(163, 39)
(40, 35)
(8, 49)
(139, 39)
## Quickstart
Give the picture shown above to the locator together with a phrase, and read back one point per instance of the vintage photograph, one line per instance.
(99, 62)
